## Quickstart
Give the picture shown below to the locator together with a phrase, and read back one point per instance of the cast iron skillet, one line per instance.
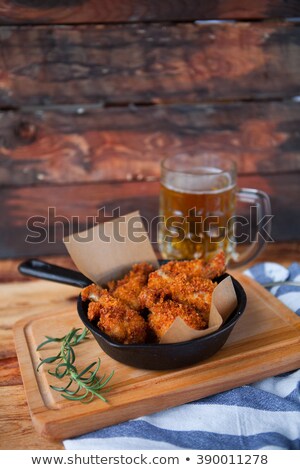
(150, 355)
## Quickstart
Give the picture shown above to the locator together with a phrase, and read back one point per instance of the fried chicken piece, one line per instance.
(117, 320)
(197, 268)
(91, 292)
(194, 292)
(128, 289)
(164, 313)
(216, 266)
(179, 288)
(94, 311)
(148, 297)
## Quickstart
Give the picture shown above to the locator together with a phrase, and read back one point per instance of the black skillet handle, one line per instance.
(51, 272)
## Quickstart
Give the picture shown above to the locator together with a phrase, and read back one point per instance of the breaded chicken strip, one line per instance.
(128, 289)
(164, 313)
(215, 267)
(197, 268)
(117, 320)
(94, 311)
(194, 292)
(91, 292)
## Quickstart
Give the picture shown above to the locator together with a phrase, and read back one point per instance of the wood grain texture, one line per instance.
(10, 372)
(264, 342)
(83, 200)
(124, 144)
(152, 63)
(46, 295)
(15, 420)
(91, 11)
(18, 204)
(16, 424)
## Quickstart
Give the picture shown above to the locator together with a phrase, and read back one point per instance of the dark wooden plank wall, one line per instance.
(88, 111)
(153, 63)
(99, 11)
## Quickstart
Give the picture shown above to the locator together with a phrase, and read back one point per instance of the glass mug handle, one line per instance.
(262, 202)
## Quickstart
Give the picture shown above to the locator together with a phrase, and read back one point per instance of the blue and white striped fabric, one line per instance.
(263, 415)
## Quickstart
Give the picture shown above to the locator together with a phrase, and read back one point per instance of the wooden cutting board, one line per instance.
(265, 342)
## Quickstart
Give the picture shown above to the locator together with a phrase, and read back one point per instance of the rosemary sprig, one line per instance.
(82, 386)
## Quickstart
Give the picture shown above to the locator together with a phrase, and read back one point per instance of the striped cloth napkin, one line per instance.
(263, 415)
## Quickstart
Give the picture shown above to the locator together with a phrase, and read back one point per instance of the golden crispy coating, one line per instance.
(189, 268)
(120, 322)
(164, 313)
(196, 268)
(129, 288)
(94, 311)
(179, 288)
(91, 292)
(117, 320)
(215, 267)
(195, 292)
(148, 297)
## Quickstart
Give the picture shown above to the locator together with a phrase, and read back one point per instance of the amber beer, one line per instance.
(198, 205)
(197, 214)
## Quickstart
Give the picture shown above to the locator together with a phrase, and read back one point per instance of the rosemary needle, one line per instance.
(83, 385)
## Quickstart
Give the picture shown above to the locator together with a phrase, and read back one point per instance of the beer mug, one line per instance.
(198, 210)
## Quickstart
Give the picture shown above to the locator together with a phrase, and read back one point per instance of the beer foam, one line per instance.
(204, 180)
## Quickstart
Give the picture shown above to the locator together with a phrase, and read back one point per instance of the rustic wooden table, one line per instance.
(15, 423)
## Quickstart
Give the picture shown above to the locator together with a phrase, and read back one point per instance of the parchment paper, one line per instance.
(102, 260)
